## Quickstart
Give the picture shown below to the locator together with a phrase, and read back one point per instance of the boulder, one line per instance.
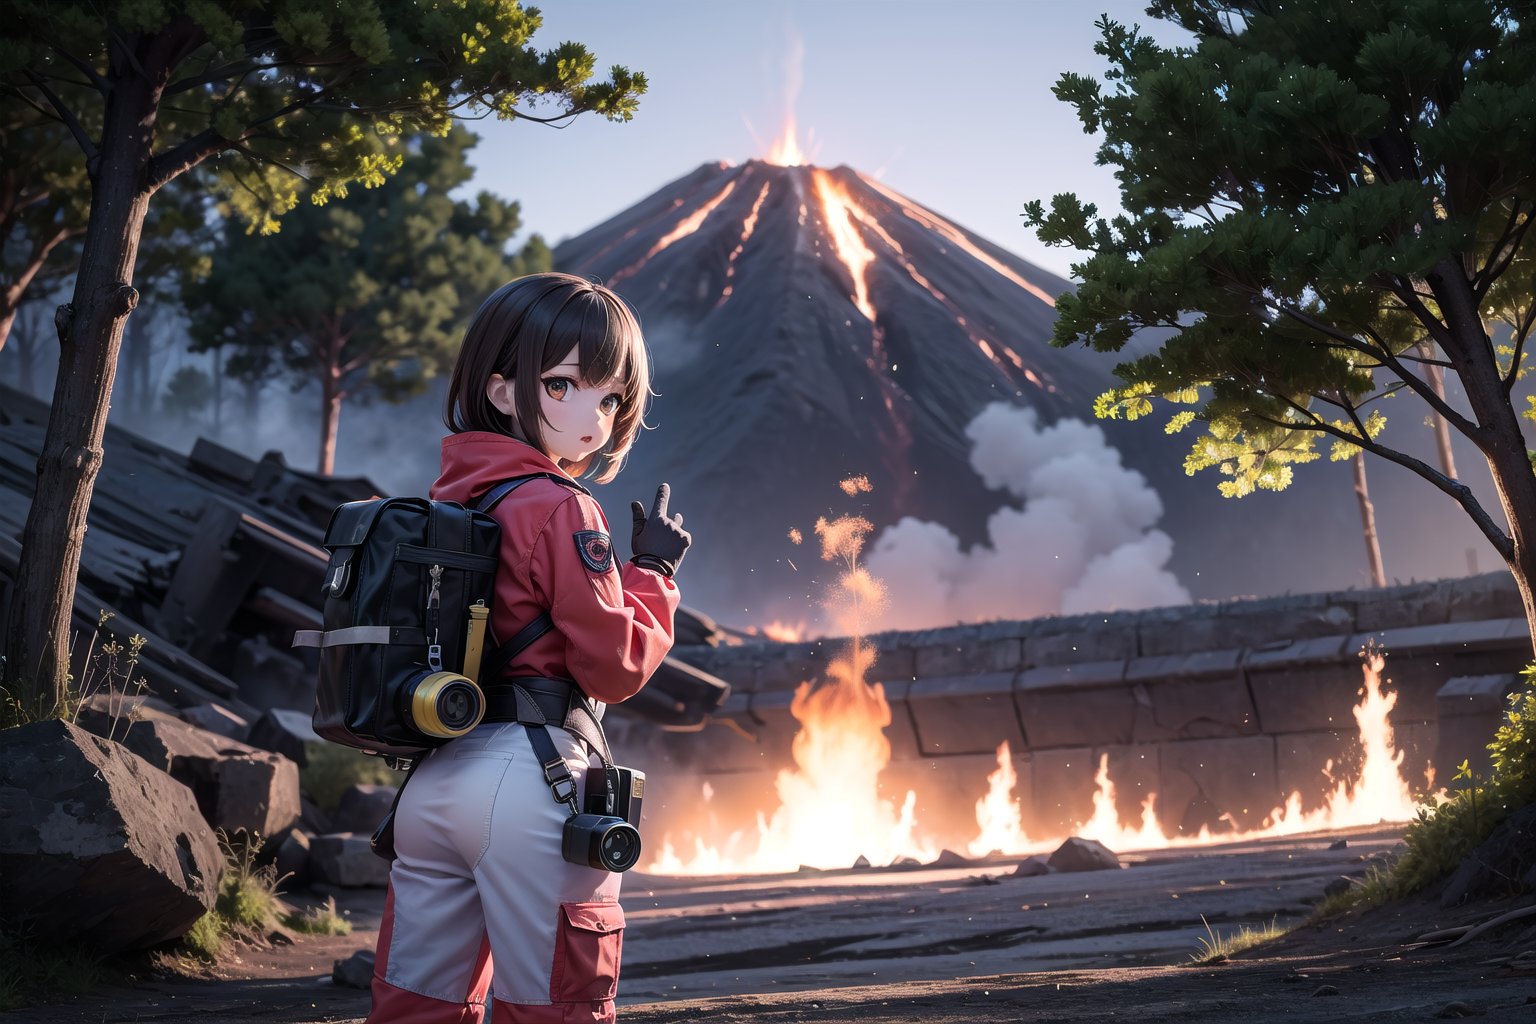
(362, 806)
(1029, 867)
(217, 718)
(286, 732)
(271, 677)
(354, 972)
(292, 862)
(346, 859)
(1083, 855)
(97, 845)
(112, 713)
(236, 785)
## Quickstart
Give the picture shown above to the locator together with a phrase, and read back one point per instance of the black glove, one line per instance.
(659, 541)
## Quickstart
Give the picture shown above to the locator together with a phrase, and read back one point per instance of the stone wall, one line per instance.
(1221, 709)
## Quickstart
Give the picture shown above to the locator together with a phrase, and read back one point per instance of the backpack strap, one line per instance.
(503, 655)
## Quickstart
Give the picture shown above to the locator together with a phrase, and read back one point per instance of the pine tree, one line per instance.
(1326, 203)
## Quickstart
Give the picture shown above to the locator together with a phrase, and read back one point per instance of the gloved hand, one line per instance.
(659, 541)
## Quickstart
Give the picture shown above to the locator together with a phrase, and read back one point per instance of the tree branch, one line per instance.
(66, 115)
(1459, 492)
(1522, 331)
(102, 85)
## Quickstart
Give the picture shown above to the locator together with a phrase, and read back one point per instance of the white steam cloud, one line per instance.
(1082, 542)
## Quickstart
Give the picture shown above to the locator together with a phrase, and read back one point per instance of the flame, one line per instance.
(784, 633)
(838, 209)
(998, 812)
(785, 150)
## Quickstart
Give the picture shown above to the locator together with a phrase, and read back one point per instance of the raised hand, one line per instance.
(659, 540)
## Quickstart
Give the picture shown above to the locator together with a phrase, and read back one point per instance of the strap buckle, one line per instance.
(558, 774)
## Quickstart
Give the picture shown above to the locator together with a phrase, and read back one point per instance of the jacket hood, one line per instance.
(474, 461)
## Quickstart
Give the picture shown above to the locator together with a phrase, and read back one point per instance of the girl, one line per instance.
(553, 375)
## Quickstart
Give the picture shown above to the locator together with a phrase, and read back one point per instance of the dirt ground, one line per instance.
(965, 943)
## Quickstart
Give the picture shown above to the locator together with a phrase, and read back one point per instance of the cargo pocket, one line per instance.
(587, 947)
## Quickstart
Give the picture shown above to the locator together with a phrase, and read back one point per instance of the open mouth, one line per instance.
(586, 440)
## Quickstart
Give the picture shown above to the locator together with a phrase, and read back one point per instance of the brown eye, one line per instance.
(555, 387)
(612, 402)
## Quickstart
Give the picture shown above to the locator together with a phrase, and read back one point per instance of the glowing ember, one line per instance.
(837, 208)
(795, 537)
(855, 485)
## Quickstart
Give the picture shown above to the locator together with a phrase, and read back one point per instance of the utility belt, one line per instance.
(544, 700)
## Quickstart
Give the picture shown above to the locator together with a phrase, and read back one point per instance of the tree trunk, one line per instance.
(1436, 378)
(330, 388)
(1368, 522)
(1501, 441)
(90, 332)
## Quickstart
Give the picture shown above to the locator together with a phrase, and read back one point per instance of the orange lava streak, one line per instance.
(936, 223)
(838, 210)
(687, 226)
(747, 227)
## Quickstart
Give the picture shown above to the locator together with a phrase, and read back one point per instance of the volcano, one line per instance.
(808, 325)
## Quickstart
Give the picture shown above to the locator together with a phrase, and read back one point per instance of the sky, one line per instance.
(948, 103)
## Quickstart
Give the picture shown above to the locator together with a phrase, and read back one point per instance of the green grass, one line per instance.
(324, 920)
(1216, 947)
(247, 902)
(332, 768)
(30, 971)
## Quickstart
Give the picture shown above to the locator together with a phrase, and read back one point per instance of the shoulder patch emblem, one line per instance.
(596, 550)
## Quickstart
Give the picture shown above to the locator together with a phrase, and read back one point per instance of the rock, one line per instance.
(96, 845)
(286, 732)
(949, 859)
(905, 862)
(1326, 990)
(1030, 867)
(862, 862)
(1339, 886)
(1457, 1009)
(1504, 864)
(362, 806)
(237, 786)
(315, 819)
(292, 862)
(1339, 844)
(1078, 854)
(271, 677)
(112, 714)
(354, 972)
(346, 859)
(216, 718)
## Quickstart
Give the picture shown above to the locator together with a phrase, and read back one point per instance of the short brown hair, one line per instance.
(526, 327)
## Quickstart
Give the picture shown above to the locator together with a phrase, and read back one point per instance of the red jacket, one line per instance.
(613, 619)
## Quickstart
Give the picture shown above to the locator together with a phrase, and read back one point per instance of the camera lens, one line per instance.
(620, 847)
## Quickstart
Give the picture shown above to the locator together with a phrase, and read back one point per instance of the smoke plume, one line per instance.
(1081, 542)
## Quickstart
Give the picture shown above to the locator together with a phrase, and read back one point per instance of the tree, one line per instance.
(368, 294)
(1325, 203)
(278, 91)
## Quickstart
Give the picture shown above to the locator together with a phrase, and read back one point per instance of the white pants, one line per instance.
(479, 895)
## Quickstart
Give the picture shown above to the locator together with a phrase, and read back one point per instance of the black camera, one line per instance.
(600, 841)
(607, 836)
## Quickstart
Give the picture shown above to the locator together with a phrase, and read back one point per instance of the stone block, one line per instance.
(216, 718)
(736, 664)
(1086, 704)
(1415, 605)
(292, 862)
(1313, 763)
(969, 714)
(1447, 637)
(1095, 639)
(362, 806)
(1306, 696)
(1491, 595)
(1470, 711)
(1062, 788)
(787, 666)
(270, 677)
(1176, 631)
(286, 732)
(966, 652)
(1219, 783)
(346, 859)
(96, 844)
(1193, 708)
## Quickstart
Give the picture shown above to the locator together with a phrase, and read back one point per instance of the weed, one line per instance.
(1215, 947)
(30, 971)
(107, 671)
(324, 920)
(205, 939)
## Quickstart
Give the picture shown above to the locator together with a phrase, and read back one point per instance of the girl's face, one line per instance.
(578, 417)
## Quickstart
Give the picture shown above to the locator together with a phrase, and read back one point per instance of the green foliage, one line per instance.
(247, 901)
(1441, 837)
(205, 939)
(1312, 192)
(1375, 888)
(332, 768)
(321, 920)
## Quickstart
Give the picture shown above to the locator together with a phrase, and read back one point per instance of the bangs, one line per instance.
(604, 334)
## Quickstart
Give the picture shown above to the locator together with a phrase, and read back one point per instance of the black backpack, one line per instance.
(408, 593)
